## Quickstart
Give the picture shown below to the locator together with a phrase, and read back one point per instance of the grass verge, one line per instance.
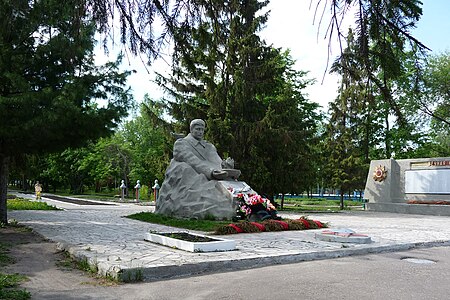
(9, 283)
(5, 259)
(227, 227)
(310, 209)
(320, 202)
(25, 204)
(191, 224)
(69, 263)
(9, 287)
(318, 205)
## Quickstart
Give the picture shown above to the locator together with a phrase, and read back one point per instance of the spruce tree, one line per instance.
(248, 93)
(52, 96)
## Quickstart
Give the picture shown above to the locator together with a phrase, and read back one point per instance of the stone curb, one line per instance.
(155, 273)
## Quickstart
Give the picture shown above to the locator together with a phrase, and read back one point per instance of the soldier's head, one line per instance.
(197, 128)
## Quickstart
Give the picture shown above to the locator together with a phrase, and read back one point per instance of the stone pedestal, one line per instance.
(396, 185)
(385, 189)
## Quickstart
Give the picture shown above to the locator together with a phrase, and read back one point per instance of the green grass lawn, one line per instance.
(309, 209)
(201, 225)
(229, 227)
(25, 204)
(319, 201)
(291, 205)
(317, 204)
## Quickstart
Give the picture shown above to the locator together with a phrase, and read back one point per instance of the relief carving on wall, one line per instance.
(380, 173)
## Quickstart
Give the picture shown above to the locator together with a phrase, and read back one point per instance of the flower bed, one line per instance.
(186, 236)
(190, 241)
(302, 223)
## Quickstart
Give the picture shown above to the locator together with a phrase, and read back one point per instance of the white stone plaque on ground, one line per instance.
(427, 181)
(343, 235)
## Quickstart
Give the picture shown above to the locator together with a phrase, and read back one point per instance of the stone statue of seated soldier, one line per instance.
(193, 184)
(202, 156)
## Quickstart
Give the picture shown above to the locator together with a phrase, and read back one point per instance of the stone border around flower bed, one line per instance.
(169, 239)
(270, 225)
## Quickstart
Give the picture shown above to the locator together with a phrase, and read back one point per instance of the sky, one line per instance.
(291, 26)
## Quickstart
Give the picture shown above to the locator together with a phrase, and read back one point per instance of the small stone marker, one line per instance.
(344, 235)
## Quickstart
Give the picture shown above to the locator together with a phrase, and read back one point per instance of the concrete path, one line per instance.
(115, 245)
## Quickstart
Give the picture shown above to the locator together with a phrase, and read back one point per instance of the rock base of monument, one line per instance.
(190, 242)
(202, 200)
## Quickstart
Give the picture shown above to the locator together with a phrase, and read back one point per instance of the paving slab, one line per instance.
(116, 246)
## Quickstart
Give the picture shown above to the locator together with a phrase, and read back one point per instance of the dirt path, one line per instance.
(51, 274)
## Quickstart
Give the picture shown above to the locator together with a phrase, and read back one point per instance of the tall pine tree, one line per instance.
(248, 93)
(49, 85)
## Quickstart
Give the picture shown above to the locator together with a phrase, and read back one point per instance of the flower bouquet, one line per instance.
(254, 207)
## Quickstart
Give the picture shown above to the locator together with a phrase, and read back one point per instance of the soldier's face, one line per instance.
(198, 131)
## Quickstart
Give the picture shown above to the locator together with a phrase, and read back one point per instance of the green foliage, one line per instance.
(319, 202)
(52, 96)
(67, 168)
(146, 143)
(50, 89)
(379, 78)
(435, 102)
(379, 134)
(373, 67)
(84, 265)
(5, 259)
(10, 280)
(24, 204)
(346, 155)
(135, 152)
(380, 40)
(202, 225)
(133, 275)
(247, 92)
(8, 287)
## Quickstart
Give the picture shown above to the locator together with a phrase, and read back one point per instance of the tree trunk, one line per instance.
(4, 164)
(342, 200)
(387, 138)
(97, 186)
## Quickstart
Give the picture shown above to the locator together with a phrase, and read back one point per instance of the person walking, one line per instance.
(38, 190)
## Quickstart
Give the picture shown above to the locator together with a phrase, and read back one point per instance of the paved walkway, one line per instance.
(116, 246)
